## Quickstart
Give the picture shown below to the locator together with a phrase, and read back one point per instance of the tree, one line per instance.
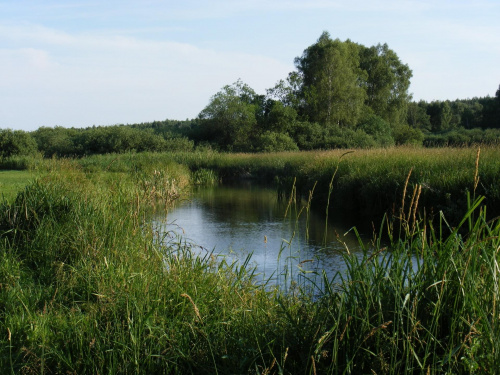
(288, 92)
(440, 115)
(417, 116)
(378, 129)
(275, 142)
(280, 118)
(331, 82)
(230, 116)
(58, 141)
(387, 83)
(16, 142)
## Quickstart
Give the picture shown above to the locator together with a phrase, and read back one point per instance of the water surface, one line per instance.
(282, 236)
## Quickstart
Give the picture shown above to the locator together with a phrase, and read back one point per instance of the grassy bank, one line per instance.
(86, 286)
(367, 182)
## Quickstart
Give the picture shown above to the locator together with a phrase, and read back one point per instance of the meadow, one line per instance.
(11, 182)
(87, 286)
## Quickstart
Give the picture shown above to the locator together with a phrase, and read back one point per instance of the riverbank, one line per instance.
(85, 287)
(367, 183)
(371, 182)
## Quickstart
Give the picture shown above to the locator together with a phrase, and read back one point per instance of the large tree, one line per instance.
(331, 82)
(230, 116)
(387, 83)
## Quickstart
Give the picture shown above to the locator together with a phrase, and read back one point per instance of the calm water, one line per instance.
(238, 220)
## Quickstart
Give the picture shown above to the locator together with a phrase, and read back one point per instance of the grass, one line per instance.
(12, 182)
(87, 287)
(369, 182)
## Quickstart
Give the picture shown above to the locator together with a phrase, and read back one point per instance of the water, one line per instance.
(282, 237)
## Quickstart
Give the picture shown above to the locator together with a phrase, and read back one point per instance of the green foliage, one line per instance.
(64, 142)
(308, 135)
(230, 117)
(463, 137)
(387, 83)
(379, 130)
(58, 141)
(280, 118)
(275, 142)
(205, 177)
(331, 75)
(16, 143)
(407, 135)
(12, 182)
(348, 138)
(417, 116)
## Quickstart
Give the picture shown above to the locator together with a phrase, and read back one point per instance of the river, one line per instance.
(283, 238)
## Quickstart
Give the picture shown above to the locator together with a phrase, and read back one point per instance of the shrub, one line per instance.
(276, 142)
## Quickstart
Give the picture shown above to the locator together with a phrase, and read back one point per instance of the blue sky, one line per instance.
(83, 63)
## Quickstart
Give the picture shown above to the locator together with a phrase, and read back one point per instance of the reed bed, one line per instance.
(369, 182)
(88, 287)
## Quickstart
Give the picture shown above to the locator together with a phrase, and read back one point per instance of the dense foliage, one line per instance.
(16, 142)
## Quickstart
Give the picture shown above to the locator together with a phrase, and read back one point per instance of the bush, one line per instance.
(276, 142)
(406, 135)
(379, 129)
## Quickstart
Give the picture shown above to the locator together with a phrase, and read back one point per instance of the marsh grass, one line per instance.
(369, 182)
(86, 288)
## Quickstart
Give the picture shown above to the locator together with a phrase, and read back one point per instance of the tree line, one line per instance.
(341, 95)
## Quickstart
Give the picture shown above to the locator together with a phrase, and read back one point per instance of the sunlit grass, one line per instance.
(85, 286)
(12, 182)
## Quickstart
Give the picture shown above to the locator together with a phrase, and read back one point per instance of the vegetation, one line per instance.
(341, 95)
(367, 182)
(11, 182)
(87, 287)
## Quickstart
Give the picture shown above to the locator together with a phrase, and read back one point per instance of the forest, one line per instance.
(341, 95)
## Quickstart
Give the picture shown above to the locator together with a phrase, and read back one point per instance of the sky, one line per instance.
(79, 63)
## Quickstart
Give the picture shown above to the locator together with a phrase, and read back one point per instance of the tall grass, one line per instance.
(369, 182)
(86, 287)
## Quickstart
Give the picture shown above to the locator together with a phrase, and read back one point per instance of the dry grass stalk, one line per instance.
(345, 328)
(415, 206)
(195, 308)
(374, 330)
(476, 173)
(414, 195)
(268, 370)
(313, 365)
(404, 192)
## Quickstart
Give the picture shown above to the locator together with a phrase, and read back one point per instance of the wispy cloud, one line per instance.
(94, 78)
(83, 62)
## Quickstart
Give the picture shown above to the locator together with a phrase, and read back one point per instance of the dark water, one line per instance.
(282, 237)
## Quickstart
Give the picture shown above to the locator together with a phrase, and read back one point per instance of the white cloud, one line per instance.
(86, 79)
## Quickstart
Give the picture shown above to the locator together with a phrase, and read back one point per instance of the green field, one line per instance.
(87, 286)
(11, 182)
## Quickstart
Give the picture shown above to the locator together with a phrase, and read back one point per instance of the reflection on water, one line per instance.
(238, 220)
